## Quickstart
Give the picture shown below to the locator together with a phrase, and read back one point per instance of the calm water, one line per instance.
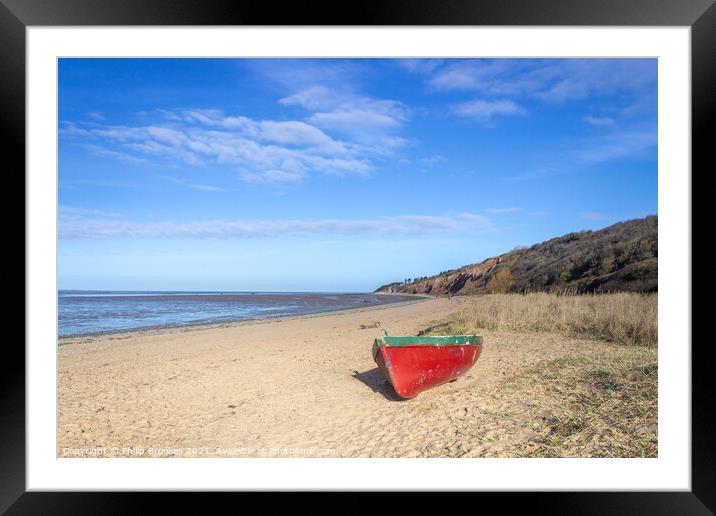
(89, 312)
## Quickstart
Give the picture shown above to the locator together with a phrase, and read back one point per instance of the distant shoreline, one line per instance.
(183, 328)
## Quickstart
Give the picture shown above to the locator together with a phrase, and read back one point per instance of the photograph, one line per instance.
(357, 257)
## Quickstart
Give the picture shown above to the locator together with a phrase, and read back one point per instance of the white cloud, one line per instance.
(599, 121)
(487, 75)
(360, 118)
(167, 136)
(119, 132)
(347, 121)
(123, 156)
(299, 74)
(294, 133)
(323, 99)
(485, 109)
(313, 99)
(503, 210)
(98, 228)
(421, 65)
(432, 160)
(551, 80)
(341, 132)
(156, 148)
(455, 79)
(338, 166)
(267, 150)
(537, 173)
(74, 212)
(271, 176)
(567, 89)
(97, 115)
(617, 145)
(207, 188)
(194, 186)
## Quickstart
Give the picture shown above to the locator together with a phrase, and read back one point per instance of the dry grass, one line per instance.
(593, 406)
(602, 403)
(623, 318)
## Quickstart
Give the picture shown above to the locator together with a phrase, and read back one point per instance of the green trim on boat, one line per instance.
(448, 340)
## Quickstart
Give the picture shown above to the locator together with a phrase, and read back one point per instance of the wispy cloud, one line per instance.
(271, 176)
(206, 188)
(358, 117)
(94, 227)
(484, 110)
(614, 145)
(74, 212)
(263, 150)
(503, 210)
(537, 173)
(293, 75)
(550, 80)
(330, 128)
(433, 160)
(194, 186)
(96, 115)
(488, 75)
(420, 65)
(599, 120)
(114, 154)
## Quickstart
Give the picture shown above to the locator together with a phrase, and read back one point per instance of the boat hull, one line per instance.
(414, 367)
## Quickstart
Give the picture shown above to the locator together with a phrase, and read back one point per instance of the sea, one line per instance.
(83, 312)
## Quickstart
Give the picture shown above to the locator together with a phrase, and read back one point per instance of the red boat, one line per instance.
(415, 364)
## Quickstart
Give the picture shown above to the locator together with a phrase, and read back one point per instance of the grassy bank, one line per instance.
(623, 318)
(599, 404)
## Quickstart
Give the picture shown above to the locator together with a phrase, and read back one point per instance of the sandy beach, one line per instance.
(300, 386)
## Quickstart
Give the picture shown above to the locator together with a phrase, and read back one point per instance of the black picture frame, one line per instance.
(700, 15)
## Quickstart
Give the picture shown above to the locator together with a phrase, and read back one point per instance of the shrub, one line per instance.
(501, 282)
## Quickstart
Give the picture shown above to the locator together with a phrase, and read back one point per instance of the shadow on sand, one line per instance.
(373, 378)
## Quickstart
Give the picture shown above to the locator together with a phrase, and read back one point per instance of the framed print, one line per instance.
(415, 248)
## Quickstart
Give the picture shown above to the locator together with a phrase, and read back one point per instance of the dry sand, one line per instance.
(302, 386)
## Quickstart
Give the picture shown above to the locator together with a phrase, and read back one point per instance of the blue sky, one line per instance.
(339, 174)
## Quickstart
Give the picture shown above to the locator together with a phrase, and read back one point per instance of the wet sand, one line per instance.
(302, 386)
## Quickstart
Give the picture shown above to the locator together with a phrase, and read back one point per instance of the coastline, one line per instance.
(69, 339)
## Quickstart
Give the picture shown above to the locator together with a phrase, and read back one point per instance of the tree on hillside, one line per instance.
(500, 282)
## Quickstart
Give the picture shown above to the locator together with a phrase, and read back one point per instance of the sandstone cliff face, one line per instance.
(454, 282)
(622, 257)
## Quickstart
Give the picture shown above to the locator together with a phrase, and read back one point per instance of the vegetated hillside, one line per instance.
(621, 257)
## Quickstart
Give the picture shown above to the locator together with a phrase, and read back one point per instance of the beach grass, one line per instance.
(602, 405)
(623, 318)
